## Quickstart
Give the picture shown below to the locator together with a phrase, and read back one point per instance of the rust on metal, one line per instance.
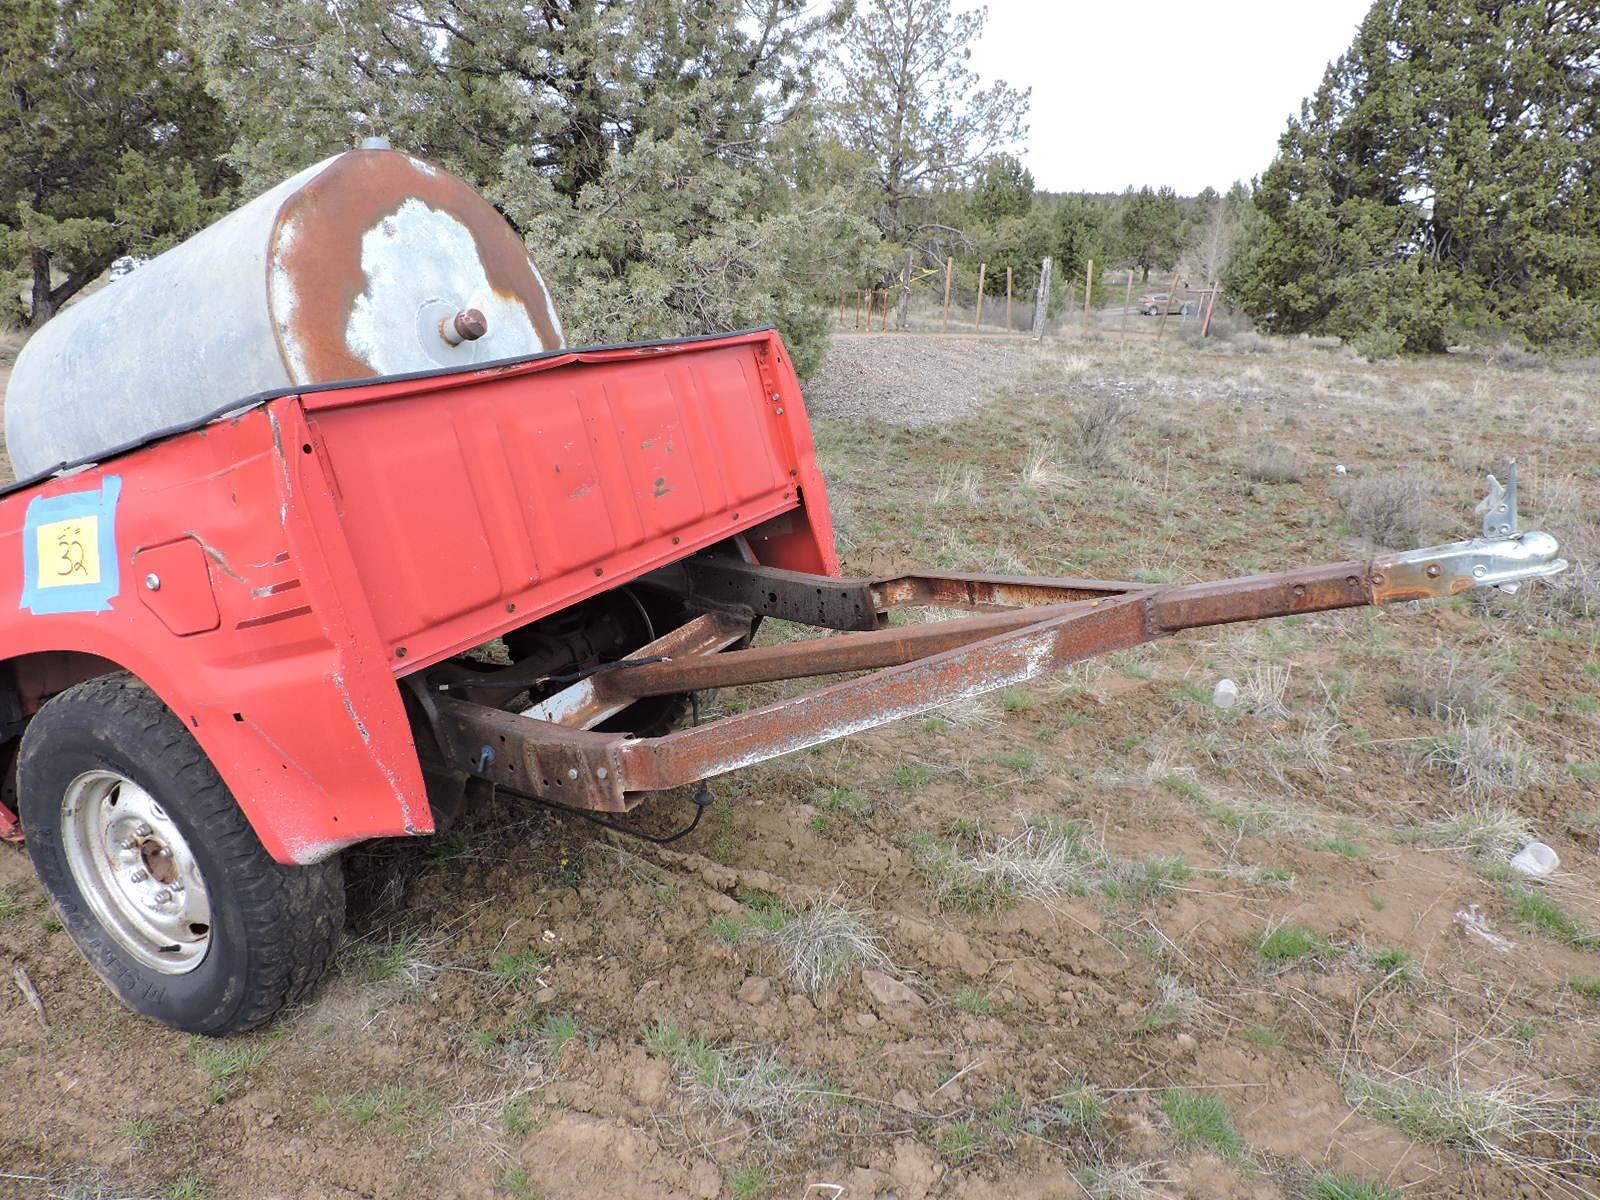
(1007, 658)
(317, 244)
(952, 589)
(820, 600)
(823, 656)
(468, 325)
(588, 702)
(1254, 597)
(1036, 627)
(1393, 582)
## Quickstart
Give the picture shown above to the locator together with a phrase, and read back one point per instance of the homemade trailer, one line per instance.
(254, 637)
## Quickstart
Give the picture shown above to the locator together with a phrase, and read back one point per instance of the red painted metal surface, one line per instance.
(352, 535)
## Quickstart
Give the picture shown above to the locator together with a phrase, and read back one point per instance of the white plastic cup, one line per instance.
(1535, 860)
(1225, 694)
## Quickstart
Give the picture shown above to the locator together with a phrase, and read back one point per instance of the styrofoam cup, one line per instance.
(1535, 859)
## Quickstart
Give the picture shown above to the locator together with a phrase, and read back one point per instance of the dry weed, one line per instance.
(1097, 427)
(1387, 511)
(1449, 687)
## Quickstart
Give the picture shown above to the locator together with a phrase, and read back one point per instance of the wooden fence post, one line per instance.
(1088, 294)
(858, 309)
(1127, 303)
(1009, 327)
(1041, 299)
(903, 311)
(949, 272)
(1211, 304)
(884, 328)
(1172, 294)
(977, 321)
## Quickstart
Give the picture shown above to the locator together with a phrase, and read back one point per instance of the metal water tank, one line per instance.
(368, 263)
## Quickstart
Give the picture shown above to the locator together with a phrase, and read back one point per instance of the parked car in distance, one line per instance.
(1155, 305)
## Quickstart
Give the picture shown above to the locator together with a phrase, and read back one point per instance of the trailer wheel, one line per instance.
(155, 872)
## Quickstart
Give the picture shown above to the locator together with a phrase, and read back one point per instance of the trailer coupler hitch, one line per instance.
(1502, 558)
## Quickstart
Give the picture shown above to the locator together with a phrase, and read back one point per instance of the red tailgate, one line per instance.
(473, 503)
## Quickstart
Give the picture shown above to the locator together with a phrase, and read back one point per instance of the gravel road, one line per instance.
(910, 378)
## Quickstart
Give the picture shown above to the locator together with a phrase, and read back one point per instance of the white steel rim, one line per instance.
(136, 871)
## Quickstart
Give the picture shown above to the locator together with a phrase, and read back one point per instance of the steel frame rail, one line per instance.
(1022, 628)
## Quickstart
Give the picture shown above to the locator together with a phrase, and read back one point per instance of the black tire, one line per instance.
(272, 928)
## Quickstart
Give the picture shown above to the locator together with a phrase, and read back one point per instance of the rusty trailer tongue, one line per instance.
(1013, 629)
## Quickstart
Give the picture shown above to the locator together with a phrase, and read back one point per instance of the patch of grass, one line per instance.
(1543, 915)
(663, 1039)
(825, 942)
(1397, 964)
(1018, 702)
(845, 801)
(1291, 943)
(973, 1000)
(961, 1142)
(1137, 881)
(1021, 760)
(556, 1030)
(224, 1060)
(1329, 1185)
(1122, 1181)
(10, 906)
(1078, 1107)
(1096, 428)
(399, 959)
(1343, 847)
(1260, 1035)
(1586, 985)
(1186, 786)
(518, 966)
(514, 1181)
(1449, 687)
(1441, 1114)
(762, 914)
(141, 1131)
(517, 1116)
(1201, 1119)
(187, 1188)
(1487, 832)
(1273, 463)
(749, 1182)
(392, 1109)
(1482, 760)
(912, 775)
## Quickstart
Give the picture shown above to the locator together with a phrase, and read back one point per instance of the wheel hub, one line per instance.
(134, 867)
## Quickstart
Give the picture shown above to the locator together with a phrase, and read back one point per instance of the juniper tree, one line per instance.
(908, 104)
(657, 155)
(109, 144)
(1441, 177)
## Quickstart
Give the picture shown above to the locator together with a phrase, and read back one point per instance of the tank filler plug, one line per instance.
(468, 325)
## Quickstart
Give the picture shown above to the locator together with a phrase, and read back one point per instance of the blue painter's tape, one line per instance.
(69, 551)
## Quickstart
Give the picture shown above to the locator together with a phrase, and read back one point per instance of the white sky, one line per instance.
(1187, 93)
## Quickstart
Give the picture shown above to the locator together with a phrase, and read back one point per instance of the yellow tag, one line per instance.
(69, 552)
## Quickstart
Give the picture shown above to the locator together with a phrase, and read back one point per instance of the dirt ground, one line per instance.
(1094, 937)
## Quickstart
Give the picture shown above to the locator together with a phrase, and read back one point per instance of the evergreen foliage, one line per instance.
(1440, 182)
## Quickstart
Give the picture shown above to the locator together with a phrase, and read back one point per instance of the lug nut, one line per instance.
(139, 876)
(177, 885)
(141, 830)
(162, 896)
(129, 843)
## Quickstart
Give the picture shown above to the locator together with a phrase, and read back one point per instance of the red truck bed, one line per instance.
(270, 573)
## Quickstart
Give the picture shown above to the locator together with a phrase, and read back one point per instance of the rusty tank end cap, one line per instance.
(468, 325)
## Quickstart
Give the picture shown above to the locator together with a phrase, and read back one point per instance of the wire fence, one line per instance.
(976, 297)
